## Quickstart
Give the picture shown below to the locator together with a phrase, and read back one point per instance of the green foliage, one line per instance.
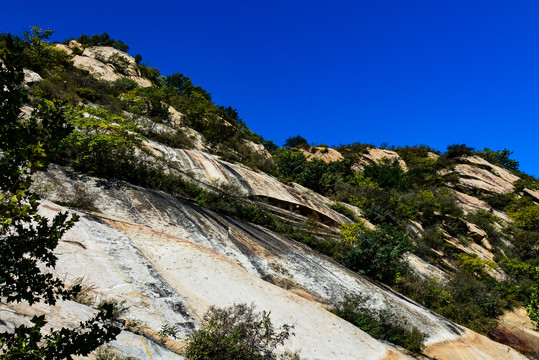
(458, 150)
(125, 84)
(314, 174)
(150, 73)
(28, 240)
(149, 101)
(86, 94)
(296, 142)
(169, 331)
(102, 144)
(474, 265)
(532, 308)
(381, 324)
(102, 40)
(378, 253)
(184, 86)
(387, 175)
(351, 232)
(499, 157)
(236, 333)
(340, 208)
(526, 218)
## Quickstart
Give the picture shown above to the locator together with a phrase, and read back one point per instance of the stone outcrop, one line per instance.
(209, 170)
(326, 154)
(31, 77)
(533, 194)
(373, 155)
(515, 329)
(109, 64)
(259, 150)
(477, 174)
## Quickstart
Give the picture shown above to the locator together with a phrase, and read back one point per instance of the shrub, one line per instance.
(526, 218)
(125, 84)
(340, 208)
(381, 324)
(532, 308)
(297, 142)
(378, 253)
(458, 150)
(474, 265)
(236, 333)
(86, 94)
(387, 175)
(103, 144)
(499, 157)
(102, 40)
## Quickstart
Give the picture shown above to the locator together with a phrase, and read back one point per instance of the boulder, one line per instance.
(110, 64)
(31, 77)
(374, 155)
(474, 177)
(533, 194)
(326, 154)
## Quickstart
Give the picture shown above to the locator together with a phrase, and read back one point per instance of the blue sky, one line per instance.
(402, 72)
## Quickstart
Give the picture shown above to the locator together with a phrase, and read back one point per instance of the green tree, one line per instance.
(296, 142)
(499, 157)
(28, 240)
(36, 38)
(378, 253)
(236, 333)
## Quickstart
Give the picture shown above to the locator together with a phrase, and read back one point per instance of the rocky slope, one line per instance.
(166, 259)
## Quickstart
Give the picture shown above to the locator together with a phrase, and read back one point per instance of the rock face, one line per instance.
(374, 155)
(326, 154)
(516, 329)
(169, 260)
(477, 173)
(31, 77)
(109, 64)
(211, 171)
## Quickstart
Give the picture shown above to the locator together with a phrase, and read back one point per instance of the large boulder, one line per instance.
(374, 155)
(109, 64)
(326, 154)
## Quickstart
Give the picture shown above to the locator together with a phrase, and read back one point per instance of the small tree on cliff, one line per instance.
(27, 240)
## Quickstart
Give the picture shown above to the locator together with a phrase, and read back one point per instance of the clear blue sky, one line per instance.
(403, 72)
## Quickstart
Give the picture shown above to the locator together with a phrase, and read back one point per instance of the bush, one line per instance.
(381, 324)
(526, 218)
(296, 142)
(236, 333)
(102, 40)
(387, 175)
(458, 150)
(499, 157)
(378, 253)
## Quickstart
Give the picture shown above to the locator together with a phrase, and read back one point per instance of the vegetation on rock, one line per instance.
(27, 239)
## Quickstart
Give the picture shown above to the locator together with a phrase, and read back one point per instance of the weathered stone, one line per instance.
(534, 194)
(475, 232)
(375, 155)
(326, 154)
(177, 119)
(473, 177)
(423, 269)
(110, 64)
(471, 204)
(497, 170)
(66, 48)
(31, 76)
(414, 230)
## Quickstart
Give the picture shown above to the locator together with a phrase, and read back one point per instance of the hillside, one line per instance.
(370, 253)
